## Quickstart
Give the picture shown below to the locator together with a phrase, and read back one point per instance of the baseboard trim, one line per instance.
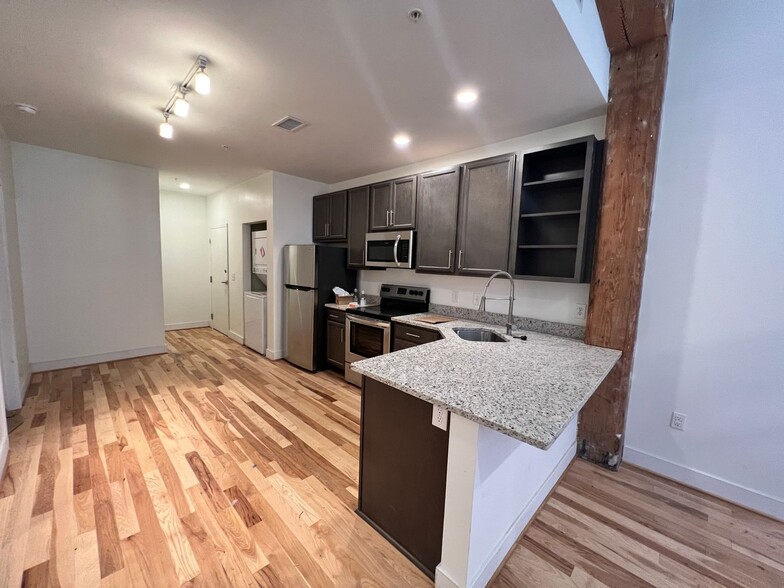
(274, 354)
(708, 483)
(59, 364)
(24, 384)
(4, 447)
(237, 337)
(183, 326)
(510, 538)
(443, 580)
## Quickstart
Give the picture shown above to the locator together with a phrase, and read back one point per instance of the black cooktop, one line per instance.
(396, 300)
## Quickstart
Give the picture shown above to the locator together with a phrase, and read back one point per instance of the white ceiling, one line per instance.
(358, 71)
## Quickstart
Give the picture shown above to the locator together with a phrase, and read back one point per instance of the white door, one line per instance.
(219, 279)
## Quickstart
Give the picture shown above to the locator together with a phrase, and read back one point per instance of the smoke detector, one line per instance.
(415, 14)
(290, 124)
(26, 108)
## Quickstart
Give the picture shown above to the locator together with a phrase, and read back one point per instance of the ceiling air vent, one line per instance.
(290, 124)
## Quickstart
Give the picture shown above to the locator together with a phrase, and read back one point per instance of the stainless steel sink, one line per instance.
(483, 335)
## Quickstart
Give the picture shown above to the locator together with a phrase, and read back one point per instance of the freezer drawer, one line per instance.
(300, 327)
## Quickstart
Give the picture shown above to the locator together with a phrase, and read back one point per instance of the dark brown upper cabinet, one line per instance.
(554, 223)
(358, 202)
(329, 217)
(486, 198)
(393, 204)
(438, 196)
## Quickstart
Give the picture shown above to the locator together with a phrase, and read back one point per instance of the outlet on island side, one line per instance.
(440, 416)
(678, 421)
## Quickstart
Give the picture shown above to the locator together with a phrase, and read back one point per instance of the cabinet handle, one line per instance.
(391, 218)
(388, 223)
(325, 230)
(342, 331)
(460, 259)
(413, 335)
(363, 256)
(449, 263)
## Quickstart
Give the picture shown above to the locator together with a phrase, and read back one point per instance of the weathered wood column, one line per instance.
(637, 36)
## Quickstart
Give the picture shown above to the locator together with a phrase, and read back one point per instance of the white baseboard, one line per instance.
(443, 580)
(507, 542)
(708, 483)
(59, 364)
(237, 337)
(274, 353)
(4, 447)
(181, 326)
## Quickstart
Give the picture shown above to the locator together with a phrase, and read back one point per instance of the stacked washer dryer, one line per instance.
(255, 304)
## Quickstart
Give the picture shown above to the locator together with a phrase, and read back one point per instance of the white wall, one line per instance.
(89, 232)
(541, 300)
(13, 337)
(248, 202)
(185, 259)
(711, 331)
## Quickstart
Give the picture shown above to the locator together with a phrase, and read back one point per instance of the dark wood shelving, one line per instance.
(547, 246)
(545, 214)
(556, 211)
(564, 177)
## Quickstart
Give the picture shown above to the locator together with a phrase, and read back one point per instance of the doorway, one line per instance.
(219, 279)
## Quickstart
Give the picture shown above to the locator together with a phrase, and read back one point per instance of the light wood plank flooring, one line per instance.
(209, 466)
(632, 528)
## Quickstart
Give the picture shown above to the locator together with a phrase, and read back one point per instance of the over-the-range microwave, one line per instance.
(390, 249)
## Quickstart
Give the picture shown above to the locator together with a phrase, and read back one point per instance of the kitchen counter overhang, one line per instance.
(530, 390)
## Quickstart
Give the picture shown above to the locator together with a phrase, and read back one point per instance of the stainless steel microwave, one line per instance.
(390, 249)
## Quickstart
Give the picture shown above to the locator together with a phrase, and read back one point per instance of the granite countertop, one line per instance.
(529, 390)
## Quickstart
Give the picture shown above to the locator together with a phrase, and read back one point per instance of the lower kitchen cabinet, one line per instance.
(402, 472)
(336, 338)
(405, 336)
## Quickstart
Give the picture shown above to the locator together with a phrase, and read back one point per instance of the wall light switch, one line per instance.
(440, 416)
(233, 277)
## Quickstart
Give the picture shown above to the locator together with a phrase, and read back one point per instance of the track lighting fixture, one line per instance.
(166, 130)
(178, 105)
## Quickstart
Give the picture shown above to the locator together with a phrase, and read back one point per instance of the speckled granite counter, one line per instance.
(529, 390)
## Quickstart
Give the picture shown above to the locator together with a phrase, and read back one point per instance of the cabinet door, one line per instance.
(321, 217)
(337, 216)
(357, 225)
(486, 198)
(380, 206)
(404, 203)
(437, 200)
(336, 347)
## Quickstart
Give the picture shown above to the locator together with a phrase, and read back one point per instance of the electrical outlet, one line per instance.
(476, 299)
(455, 295)
(440, 416)
(580, 311)
(233, 277)
(678, 421)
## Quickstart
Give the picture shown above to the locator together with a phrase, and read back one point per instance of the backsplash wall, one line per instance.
(549, 301)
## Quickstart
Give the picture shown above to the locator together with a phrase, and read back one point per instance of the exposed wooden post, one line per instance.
(637, 36)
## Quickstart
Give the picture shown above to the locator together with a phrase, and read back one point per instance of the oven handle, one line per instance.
(394, 251)
(368, 322)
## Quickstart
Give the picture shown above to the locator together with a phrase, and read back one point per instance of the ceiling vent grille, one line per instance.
(290, 124)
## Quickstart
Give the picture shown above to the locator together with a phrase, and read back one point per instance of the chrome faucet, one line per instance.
(510, 298)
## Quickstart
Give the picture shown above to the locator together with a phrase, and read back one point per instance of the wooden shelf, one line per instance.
(546, 214)
(547, 246)
(560, 178)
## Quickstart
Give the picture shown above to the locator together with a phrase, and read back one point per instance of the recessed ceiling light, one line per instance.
(401, 139)
(185, 186)
(466, 96)
(26, 108)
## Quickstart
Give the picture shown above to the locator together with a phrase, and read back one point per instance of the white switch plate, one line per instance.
(440, 416)
(455, 294)
(678, 421)
(580, 311)
(233, 276)
(477, 298)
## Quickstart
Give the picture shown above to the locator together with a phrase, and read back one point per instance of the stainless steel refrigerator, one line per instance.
(309, 274)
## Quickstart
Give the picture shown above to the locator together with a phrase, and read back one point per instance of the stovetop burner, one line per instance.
(396, 300)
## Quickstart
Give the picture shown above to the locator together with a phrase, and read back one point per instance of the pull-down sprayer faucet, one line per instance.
(482, 304)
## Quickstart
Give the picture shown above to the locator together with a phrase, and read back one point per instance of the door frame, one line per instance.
(228, 285)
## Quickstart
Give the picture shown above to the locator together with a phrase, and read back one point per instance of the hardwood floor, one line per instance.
(211, 466)
(208, 466)
(632, 528)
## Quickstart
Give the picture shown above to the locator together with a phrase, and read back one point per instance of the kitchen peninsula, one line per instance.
(511, 433)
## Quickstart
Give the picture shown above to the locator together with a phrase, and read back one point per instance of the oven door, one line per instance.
(366, 337)
(390, 249)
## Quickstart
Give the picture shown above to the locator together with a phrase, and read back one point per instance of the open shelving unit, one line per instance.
(555, 211)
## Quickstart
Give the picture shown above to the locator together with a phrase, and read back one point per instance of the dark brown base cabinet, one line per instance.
(336, 339)
(402, 472)
(405, 336)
